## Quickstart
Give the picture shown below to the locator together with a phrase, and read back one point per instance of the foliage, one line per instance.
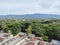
(29, 30)
(9, 32)
(40, 27)
(45, 38)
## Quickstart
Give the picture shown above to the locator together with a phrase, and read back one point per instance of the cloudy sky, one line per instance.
(29, 6)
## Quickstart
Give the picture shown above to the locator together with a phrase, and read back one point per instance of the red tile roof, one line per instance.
(41, 43)
(31, 43)
(1, 39)
(49, 44)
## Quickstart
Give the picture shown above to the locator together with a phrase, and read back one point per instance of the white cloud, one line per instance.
(56, 5)
(46, 3)
(29, 6)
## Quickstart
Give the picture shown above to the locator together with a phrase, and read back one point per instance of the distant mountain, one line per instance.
(30, 16)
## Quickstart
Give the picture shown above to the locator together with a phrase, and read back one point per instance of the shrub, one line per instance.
(45, 38)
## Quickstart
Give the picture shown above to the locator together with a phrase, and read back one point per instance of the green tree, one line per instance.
(29, 30)
(9, 32)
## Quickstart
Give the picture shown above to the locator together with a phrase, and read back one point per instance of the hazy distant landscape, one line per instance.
(31, 16)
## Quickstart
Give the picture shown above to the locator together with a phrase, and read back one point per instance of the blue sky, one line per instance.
(29, 6)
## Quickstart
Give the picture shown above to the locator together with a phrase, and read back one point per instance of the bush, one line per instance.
(45, 38)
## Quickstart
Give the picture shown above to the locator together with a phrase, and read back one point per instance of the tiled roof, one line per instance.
(1, 39)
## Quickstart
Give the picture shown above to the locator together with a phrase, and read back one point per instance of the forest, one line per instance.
(39, 27)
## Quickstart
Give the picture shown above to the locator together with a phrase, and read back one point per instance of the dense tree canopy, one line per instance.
(39, 27)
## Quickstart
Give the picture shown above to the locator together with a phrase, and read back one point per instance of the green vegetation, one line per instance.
(45, 38)
(39, 27)
(29, 30)
(9, 32)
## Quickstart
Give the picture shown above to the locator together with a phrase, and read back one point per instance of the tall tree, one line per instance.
(29, 30)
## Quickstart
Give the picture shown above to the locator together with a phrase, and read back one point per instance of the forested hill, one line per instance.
(30, 16)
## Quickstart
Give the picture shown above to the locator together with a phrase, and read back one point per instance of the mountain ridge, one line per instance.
(30, 16)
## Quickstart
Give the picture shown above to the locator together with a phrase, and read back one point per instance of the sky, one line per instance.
(29, 6)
